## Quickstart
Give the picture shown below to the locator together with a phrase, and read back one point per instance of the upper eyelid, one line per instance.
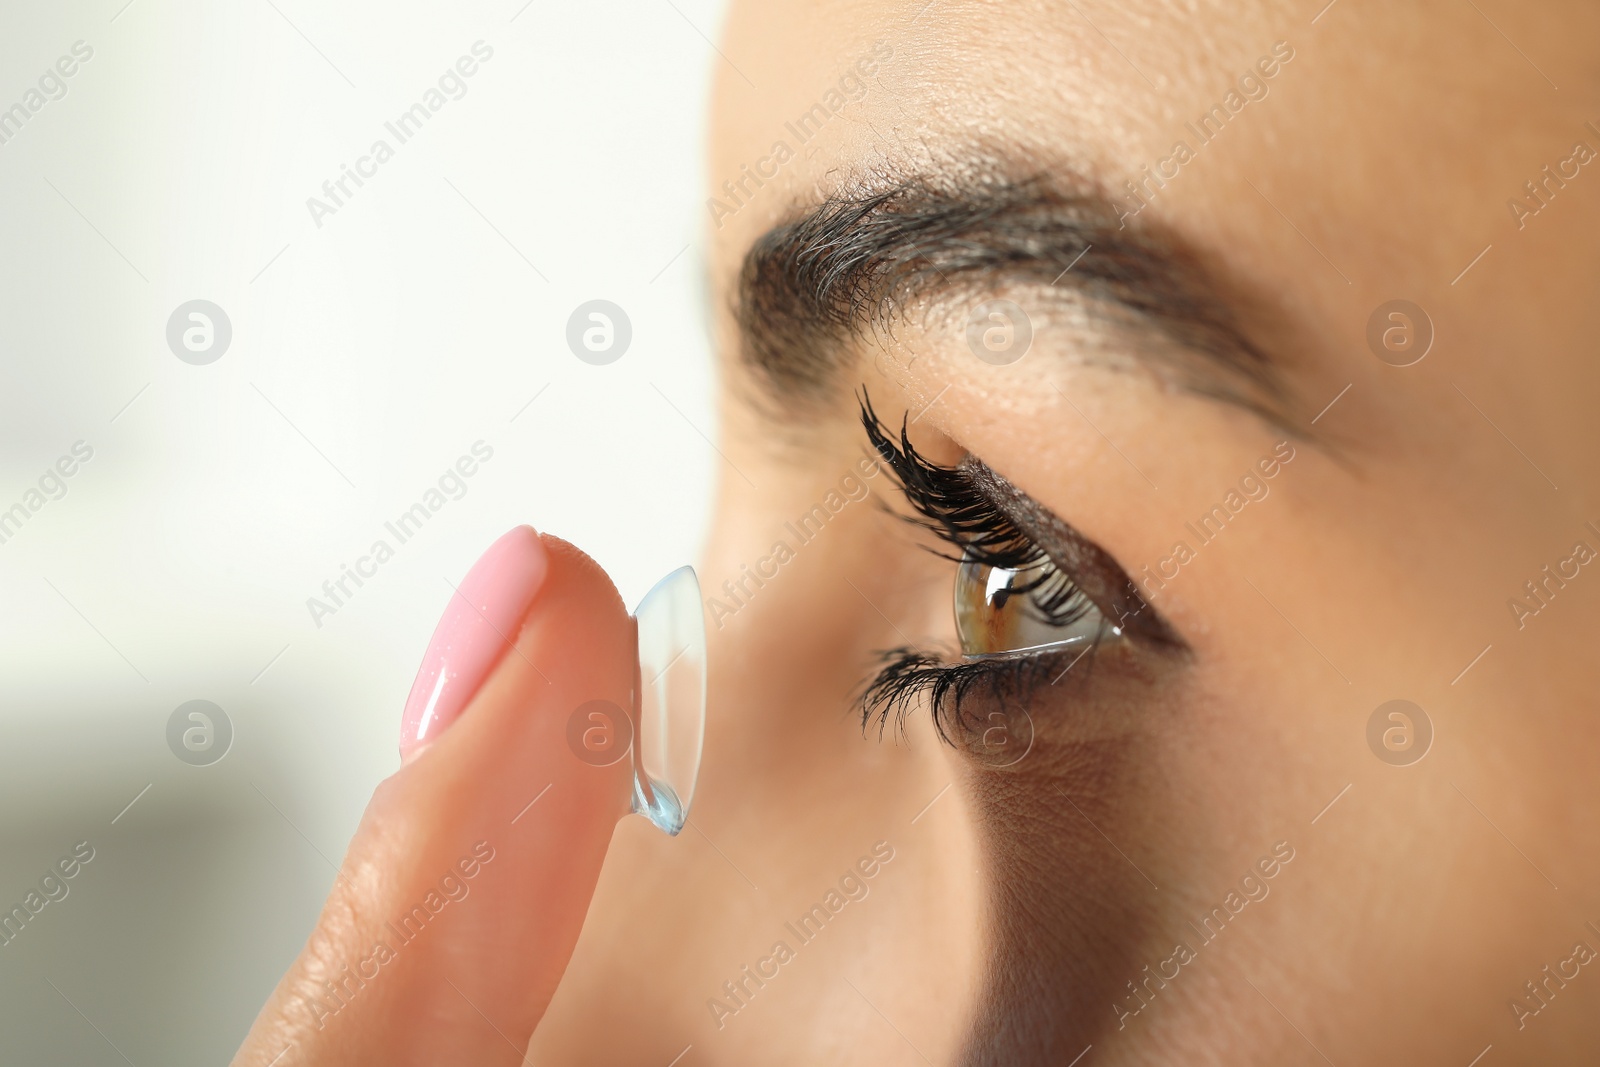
(1096, 573)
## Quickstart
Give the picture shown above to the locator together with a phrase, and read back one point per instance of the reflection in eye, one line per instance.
(1002, 611)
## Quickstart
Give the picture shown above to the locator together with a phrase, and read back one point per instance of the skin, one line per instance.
(1380, 564)
(1406, 906)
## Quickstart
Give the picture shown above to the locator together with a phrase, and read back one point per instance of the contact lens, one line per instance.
(669, 699)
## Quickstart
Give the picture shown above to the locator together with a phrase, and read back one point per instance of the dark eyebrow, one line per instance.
(857, 261)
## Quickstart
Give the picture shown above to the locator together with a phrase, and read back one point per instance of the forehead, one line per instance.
(1298, 120)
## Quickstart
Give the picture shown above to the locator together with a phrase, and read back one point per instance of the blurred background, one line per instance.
(346, 357)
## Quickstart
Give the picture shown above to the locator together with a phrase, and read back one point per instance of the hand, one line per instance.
(463, 891)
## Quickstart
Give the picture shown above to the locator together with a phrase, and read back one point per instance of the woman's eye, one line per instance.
(1003, 611)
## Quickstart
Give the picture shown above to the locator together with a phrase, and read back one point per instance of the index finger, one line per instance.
(465, 887)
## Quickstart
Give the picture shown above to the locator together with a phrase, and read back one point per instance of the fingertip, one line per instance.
(480, 620)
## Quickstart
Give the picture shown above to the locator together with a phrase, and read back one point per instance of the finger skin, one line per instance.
(414, 959)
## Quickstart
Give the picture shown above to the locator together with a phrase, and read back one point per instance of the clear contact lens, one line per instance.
(669, 699)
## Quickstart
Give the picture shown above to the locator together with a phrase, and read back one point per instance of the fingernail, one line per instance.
(479, 626)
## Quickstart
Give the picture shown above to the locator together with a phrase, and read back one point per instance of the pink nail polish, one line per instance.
(479, 625)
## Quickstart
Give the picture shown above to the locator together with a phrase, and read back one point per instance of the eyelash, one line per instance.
(948, 503)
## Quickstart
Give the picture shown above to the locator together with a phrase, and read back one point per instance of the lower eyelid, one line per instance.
(913, 677)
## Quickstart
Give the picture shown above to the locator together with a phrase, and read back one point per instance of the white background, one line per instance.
(367, 355)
